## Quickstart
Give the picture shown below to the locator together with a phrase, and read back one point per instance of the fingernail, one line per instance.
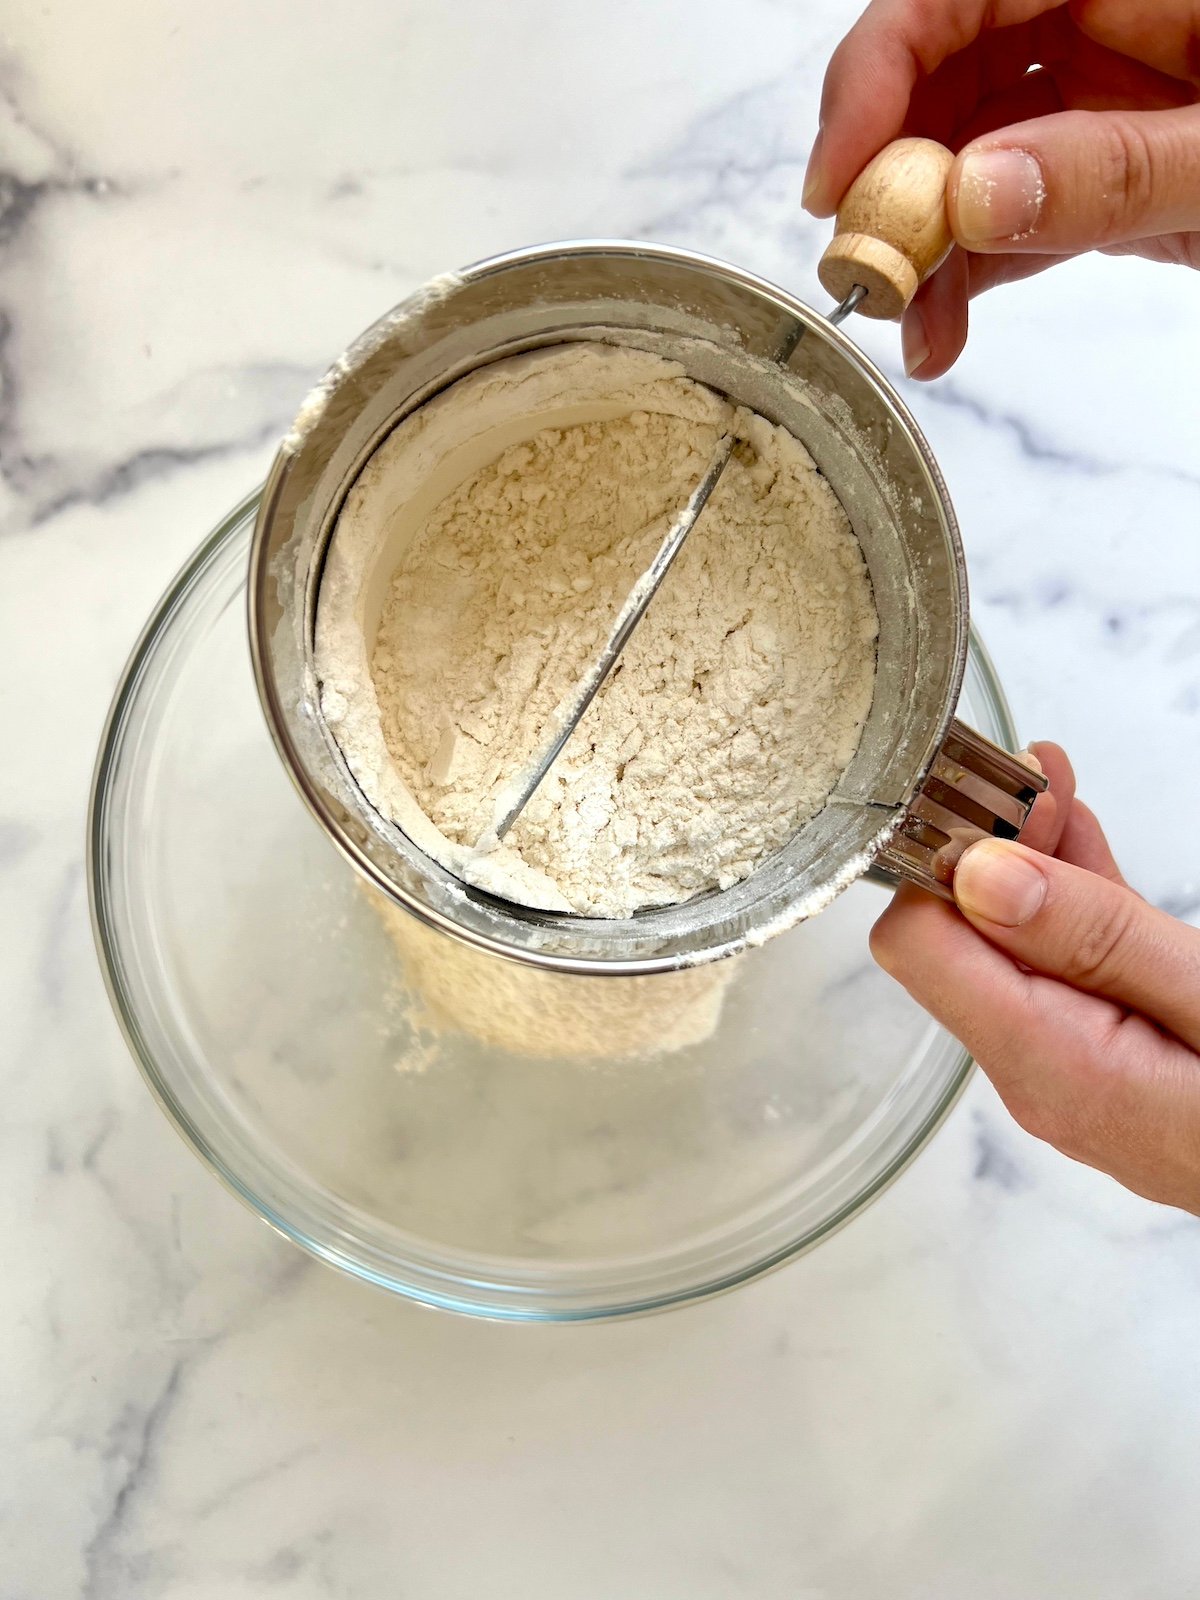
(812, 176)
(913, 343)
(997, 881)
(1030, 760)
(999, 196)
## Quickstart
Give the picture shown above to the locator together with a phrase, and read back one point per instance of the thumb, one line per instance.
(1092, 933)
(1077, 181)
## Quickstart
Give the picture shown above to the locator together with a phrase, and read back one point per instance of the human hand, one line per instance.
(1079, 1000)
(1077, 127)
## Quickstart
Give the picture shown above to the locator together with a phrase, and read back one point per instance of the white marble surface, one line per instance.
(988, 1384)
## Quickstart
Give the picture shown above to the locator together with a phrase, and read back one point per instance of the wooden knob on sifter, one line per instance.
(891, 227)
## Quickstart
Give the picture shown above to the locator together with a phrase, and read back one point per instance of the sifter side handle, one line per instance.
(973, 790)
(891, 230)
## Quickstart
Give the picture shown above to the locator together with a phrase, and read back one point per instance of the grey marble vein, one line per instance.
(744, 157)
(67, 898)
(267, 395)
(17, 839)
(1035, 447)
(19, 200)
(148, 465)
(995, 1163)
(135, 1447)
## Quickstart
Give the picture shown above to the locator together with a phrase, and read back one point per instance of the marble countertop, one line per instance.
(987, 1385)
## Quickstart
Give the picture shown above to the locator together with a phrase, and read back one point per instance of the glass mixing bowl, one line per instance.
(266, 1004)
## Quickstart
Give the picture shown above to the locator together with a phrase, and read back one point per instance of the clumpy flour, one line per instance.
(475, 571)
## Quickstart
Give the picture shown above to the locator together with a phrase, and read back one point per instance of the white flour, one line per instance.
(487, 586)
(454, 989)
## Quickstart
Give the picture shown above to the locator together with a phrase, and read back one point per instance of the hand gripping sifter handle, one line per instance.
(974, 790)
(892, 231)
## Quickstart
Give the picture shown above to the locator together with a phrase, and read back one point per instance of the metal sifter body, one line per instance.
(921, 785)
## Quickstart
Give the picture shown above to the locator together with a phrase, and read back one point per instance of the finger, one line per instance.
(1073, 1069)
(1054, 764)
(1011, 1021)
(1044, 826)
(1098, 80)
(934, 328)
(1031, 70)
(1088, 931)
(1036, 95)
(1074, 75)
(1169, 249)
(1084, 844)
(994, 64)
(872, 73)
(1085, 78)
(1163, 35)
(989, 272)
(1078, 181)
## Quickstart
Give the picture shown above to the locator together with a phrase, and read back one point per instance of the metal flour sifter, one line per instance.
(921, 785)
